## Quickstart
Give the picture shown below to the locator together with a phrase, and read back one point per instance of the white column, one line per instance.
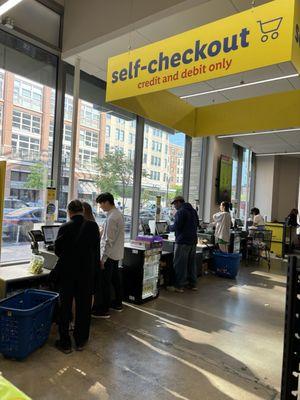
(76, 87)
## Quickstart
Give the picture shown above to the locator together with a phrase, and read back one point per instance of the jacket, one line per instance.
(78, 250)
(222, 220)
(186, 225)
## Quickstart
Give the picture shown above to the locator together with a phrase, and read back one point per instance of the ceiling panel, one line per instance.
(258, 74)
(270, 72)
(99, 55)
(259, 90)
(293, 138)
(201, 101)
(271, 143)
(270, 148)
(190, 89)
(242, 5)
(204, 13)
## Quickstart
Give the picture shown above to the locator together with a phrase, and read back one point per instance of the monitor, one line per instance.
(239, 222)
(50, 233)
(162, 227)
(36, 236)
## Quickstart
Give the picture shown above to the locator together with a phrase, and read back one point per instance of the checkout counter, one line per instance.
(17, 277)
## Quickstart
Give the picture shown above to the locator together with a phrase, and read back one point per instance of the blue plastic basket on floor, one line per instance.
(25, 322)
(226, 265)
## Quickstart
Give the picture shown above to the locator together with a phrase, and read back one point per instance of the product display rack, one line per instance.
(291, 357)
(140, 273)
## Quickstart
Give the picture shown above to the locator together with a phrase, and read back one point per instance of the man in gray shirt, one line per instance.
(112, 251)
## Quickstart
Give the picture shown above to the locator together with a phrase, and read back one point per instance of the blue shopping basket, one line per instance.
(25, 322)
(226, 265)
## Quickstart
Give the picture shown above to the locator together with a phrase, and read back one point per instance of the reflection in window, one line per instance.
(88, 139)
(28, 94)
(163, 161)
(26, 122)
(245, 186)
(90, 116)
(1, 84)
(68, 107)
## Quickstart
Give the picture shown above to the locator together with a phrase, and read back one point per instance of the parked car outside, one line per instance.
(18, 223)
(11, 204)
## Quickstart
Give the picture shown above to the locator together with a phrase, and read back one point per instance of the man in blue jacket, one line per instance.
(185, 228)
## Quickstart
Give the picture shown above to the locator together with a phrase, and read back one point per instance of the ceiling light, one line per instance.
(240, 86)
(258, 133)
(295, 153)
(8, 5)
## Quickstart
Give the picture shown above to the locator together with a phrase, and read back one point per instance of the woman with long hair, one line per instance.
(88, 212)
(222, 222)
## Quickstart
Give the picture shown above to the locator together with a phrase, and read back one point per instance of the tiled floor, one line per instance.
(223, 342)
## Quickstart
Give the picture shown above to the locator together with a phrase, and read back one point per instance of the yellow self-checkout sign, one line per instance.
(256, 38)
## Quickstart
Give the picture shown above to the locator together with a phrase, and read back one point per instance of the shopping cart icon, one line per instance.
(270, 28)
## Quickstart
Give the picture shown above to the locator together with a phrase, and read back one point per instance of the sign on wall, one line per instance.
(253, 39)
(51, 206)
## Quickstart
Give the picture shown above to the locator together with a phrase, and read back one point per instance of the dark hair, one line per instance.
(75, 206)
(255, 211)
(88, 212)
(226, 205)
(103, 197)
(294, 211)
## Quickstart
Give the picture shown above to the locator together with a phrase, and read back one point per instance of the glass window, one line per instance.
(28, 94)
(26, 122)
(52, 102)
(68, 107)
(245, 186)
(234, 184)
(1, 84)
(90, 115)
(89, 139)
(26, 142)
(130, 154)
(130, 138)
(160, 173)
(105, 158)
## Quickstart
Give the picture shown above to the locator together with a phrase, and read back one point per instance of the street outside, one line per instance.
(15, 252)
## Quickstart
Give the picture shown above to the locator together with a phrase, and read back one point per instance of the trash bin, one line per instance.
(25, 322)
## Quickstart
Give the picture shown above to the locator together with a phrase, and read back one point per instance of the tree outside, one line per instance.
(148, 196)
(115, 175)
(36, 179)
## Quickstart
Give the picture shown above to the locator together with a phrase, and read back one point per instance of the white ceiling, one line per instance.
(284, 142)
(273, 71)
(94, 60)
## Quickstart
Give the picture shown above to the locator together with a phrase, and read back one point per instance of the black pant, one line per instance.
(82, 294)
(110, 275)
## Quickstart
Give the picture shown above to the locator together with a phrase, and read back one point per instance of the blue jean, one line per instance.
(185, 265)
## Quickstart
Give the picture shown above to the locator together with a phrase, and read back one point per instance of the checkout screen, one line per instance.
(50, 233)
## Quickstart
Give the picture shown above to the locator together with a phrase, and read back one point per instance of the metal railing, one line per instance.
(290, 382)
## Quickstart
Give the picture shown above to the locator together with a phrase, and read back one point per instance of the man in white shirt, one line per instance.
(112, 251)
